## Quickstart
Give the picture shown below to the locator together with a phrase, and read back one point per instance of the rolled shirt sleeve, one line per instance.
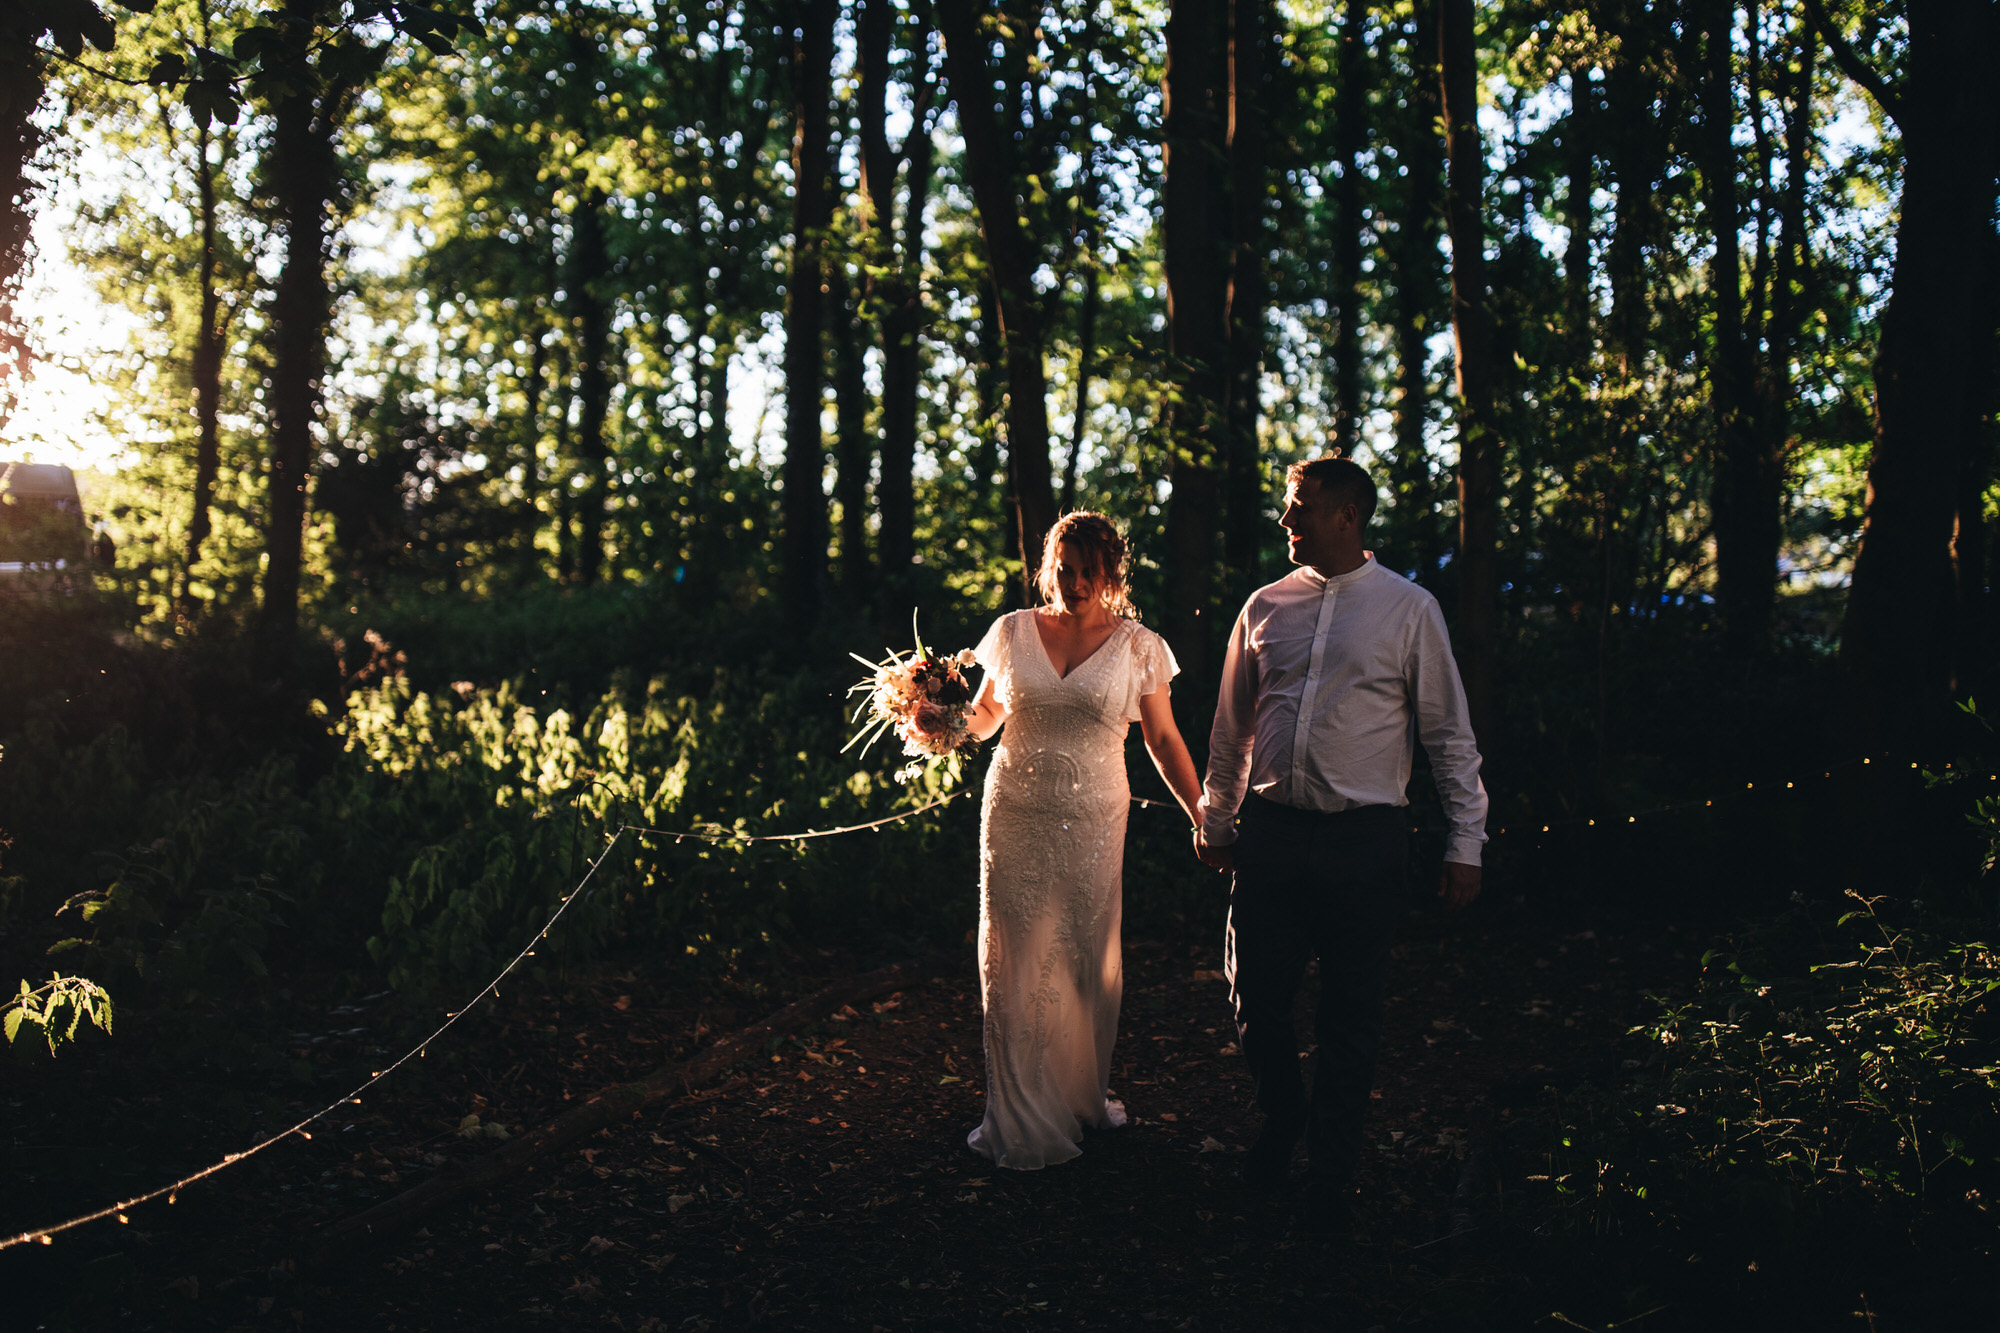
(1230, 739)
(1444, 726)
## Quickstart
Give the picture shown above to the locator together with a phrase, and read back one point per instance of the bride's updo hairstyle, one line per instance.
(1098, 544)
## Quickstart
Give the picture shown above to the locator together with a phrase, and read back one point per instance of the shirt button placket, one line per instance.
(1308, 694)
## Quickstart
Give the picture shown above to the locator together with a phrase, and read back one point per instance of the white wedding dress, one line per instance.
(1051, 861)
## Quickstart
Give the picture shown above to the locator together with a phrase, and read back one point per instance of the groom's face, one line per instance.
(1314, 523)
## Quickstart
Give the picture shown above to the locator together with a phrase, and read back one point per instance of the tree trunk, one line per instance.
(22, 79)
(895, 287)
(1414, 254)
(1086, 354)
(804, 548)
(1899, 630)
(1472, 344)
(305, 174)
(207, 374)
(1580, 150)
(590, 262)
(850, 485)
(1747, 492)
(989, 161)
(1195, 228)
(1350, 135)
(1249, 33)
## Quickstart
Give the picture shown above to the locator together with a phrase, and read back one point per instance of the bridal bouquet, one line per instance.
(923, 697)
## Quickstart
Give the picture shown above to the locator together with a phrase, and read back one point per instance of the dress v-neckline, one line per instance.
(1035, 628)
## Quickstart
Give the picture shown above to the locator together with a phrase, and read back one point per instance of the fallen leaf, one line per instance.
(1169, 1117)
(1209, 974)
(598, 1245)
(676, 1202)
(622, 1003)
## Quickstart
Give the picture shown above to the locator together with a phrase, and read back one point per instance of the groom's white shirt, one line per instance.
(1327, 684)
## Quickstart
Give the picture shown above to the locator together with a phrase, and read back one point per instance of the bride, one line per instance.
(1066, 680)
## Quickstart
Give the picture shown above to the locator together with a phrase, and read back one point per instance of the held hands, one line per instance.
(1459, 884)
(1217, 858)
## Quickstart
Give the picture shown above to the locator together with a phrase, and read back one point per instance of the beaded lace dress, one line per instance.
(1051, 858)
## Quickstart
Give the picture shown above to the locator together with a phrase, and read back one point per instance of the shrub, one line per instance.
(1788, 1093)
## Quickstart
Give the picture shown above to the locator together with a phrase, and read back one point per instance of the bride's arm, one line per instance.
(988, 714)
(1169, 751)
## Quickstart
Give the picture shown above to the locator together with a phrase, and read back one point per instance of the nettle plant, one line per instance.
(57, 1008)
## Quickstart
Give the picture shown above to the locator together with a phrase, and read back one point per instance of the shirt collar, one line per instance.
(1359, 572)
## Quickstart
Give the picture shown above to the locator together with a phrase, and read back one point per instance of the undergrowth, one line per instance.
(1831, 1077)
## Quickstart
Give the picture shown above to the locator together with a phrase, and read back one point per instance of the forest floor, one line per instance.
(828, 1185)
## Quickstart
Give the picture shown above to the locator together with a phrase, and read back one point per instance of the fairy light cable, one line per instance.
(719, 835)
(47, 1235)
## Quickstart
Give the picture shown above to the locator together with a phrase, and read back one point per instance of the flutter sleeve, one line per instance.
(1153, 665)
(992, 654)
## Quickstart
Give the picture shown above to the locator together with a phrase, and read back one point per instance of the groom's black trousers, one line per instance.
(1325, 886)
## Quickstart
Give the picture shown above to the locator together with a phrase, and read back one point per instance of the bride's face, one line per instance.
(1077, 586)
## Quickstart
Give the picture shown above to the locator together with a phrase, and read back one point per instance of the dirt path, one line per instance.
(828, 1185)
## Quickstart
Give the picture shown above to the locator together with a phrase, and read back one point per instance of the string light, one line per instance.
(172, 1191)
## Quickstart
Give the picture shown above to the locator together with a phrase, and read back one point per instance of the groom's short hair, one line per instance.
(1340, 477)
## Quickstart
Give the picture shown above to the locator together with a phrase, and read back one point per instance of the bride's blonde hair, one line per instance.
(1102, 548)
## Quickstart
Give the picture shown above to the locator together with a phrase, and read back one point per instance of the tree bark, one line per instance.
(1747, 490)
(305, 173)
(1350, 133)
(1899, 630)
(1414, 253)
(805, 536)
(850, 486)
(1249, 35)
(894, 283)
(1086, 355)
(1472, 343)
(590, 317)
(1195, 227)
(990, 167)
(1580, 149)
(207, 375)
(22, 80)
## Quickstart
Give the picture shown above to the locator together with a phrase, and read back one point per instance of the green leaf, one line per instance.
(168, 69)
(14, 1017)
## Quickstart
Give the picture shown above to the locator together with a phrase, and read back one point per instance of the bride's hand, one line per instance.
(1217, 858)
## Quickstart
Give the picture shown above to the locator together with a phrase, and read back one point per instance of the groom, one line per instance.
(1331, 672)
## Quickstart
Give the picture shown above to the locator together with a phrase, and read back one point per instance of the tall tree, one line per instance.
(998, 193)
(1417, 267)
(1250, 35)
(1195, 231)
(1472, 346)
(1350, 138)
(211, 334)
(311, 98)
(805, 536)
(590, 324)
(1749, 476)
(1945, 106)
(895, 266)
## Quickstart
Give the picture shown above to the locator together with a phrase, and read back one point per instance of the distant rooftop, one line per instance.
(50, 481)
